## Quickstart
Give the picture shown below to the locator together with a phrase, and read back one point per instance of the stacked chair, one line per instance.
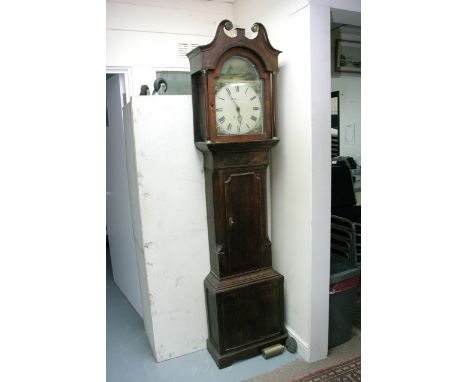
(345, 215)
(345, 259)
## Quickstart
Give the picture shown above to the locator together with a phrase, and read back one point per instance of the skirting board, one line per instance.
(302, 348)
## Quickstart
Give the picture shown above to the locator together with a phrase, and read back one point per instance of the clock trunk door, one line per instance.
(244, 223)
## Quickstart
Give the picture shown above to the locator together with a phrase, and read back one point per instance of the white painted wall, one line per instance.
(143, 35)
(300, 168)
(290, 162)
(350, 115)
(295, 171)
(169, 213)
(321, 179)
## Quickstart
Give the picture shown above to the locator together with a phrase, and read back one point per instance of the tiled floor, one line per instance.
(129, 356)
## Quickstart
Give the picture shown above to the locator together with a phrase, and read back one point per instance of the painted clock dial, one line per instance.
(239, 98)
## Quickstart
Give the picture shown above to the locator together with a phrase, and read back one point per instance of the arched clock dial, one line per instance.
(238, 109)
(239, 98)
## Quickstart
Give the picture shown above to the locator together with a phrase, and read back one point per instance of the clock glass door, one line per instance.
(239, 98)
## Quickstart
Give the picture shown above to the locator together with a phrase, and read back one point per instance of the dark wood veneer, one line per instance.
(244, 294)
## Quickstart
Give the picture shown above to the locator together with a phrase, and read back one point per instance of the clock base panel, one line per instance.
(225, 360)
(245, 314)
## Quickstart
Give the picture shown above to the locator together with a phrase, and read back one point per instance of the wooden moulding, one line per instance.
(206, 56)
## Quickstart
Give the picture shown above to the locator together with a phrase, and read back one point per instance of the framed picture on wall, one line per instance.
(348, 56)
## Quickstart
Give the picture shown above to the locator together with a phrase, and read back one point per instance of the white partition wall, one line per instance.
(300, 164)
(118, 212)
(168, 209)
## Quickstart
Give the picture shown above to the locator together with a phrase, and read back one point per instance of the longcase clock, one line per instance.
(234, 98)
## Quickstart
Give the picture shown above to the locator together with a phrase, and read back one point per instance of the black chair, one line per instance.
(343, 198)
(346, 216)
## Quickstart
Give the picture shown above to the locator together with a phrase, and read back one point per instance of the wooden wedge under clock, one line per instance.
(234, 98)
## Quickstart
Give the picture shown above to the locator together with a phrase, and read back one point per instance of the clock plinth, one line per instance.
(234, 97)
(245, 315)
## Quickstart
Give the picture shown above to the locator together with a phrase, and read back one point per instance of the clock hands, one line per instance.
(228, 119)
(239, 116)
(239, 119)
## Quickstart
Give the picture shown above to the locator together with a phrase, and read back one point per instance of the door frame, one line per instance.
(127, 73)
(335, 122)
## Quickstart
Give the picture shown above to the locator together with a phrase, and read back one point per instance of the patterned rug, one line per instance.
(348, 371)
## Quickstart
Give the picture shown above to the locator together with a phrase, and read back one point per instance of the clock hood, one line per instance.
(207, 56)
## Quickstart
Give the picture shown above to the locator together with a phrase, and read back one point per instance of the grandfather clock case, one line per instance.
(234, 98)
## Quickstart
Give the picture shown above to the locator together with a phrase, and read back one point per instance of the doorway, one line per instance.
(345, 232)
(119, 223)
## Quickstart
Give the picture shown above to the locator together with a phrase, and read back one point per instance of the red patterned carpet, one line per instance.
(348, 371)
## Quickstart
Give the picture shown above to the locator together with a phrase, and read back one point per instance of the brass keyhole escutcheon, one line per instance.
(231, 221)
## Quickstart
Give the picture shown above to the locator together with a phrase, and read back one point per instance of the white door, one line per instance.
(118, 215)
